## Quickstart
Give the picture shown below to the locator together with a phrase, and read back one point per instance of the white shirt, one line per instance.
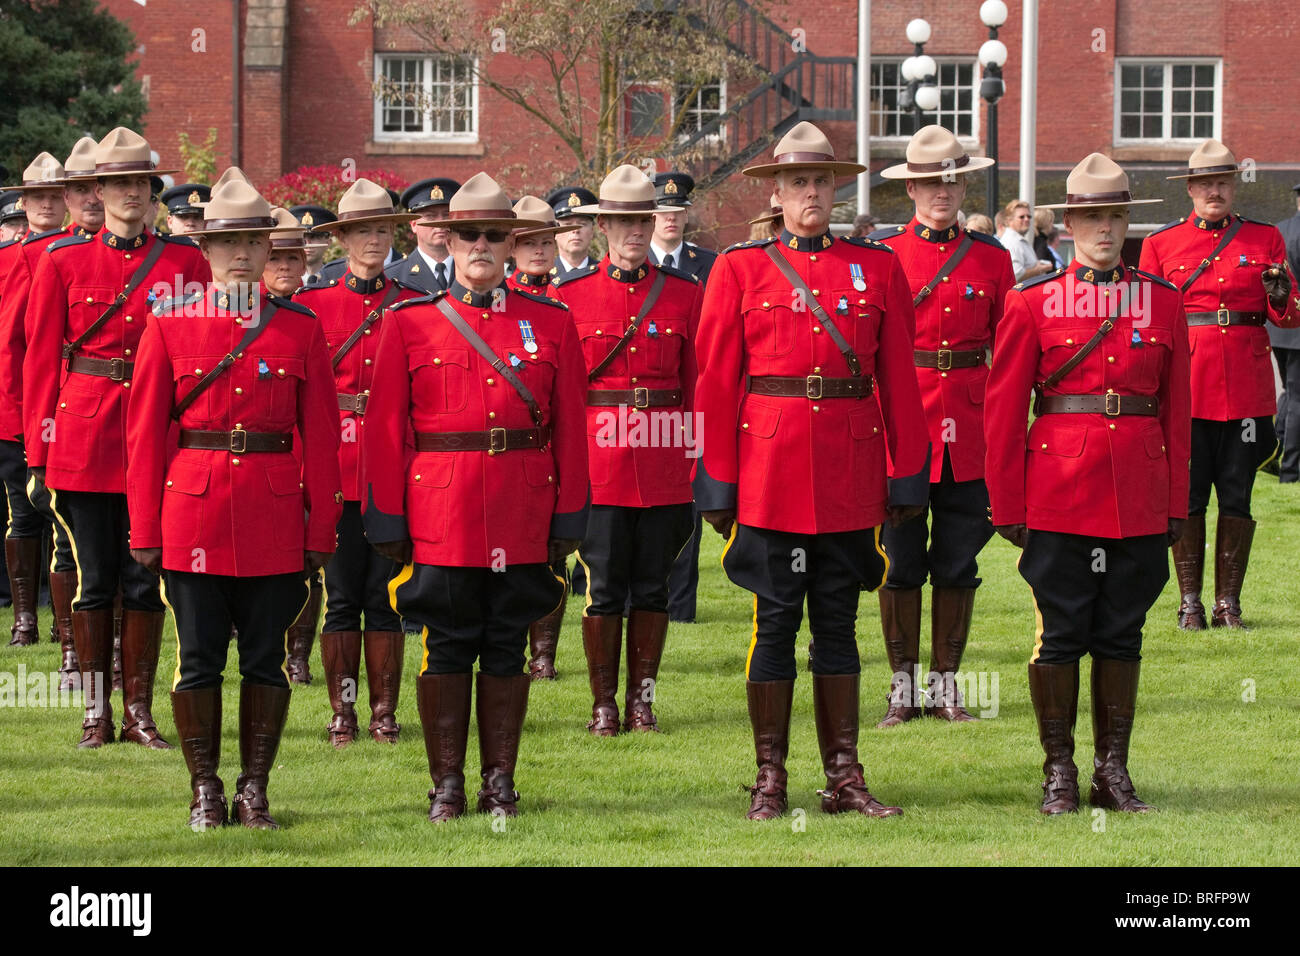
(565, 267)
(433, 263)
(661, 254)
(1023, 257)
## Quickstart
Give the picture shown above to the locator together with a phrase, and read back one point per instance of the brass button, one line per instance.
(126, 384)
(550, 478)
(128, 318)
(492, 414)
(169, 484)
(944, 342)
(63, 404)
(817, 408)
(365, 301)
(817, 291)
(813, 258)
(745, 425)
(875, 430)
(941, 249)
(817, 369)
(491, 381)
(239, 391)
(437, 361)
(1220, 278)
(198, 371)
(280, 372)
(943, 374)
(1069, 341)
(668, 331)
(234, 461)
(765, 305)
(600, 332)
(862, 301)
(945, 278)
(367, 331)
(128, 351)
(1044, 446)
(1112, 426)
(632, 348)
(485, 315)
(1216, 258)
(1182, 268)
(89, 299)
(633, 379)
(128, 255)
(1110, 358)
(817, 328)
(947, 308)
(367, 361)
(300, 484)
(417, 477)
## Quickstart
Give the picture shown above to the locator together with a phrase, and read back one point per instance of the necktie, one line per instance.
(441, 270)
(668, 260)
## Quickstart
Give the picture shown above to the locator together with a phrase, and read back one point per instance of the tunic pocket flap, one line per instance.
(1155, 444)
(759, 420)
(80, 402)
(284, 480)
(433, 471)
(188, 478)
(1064, 443)
(863, 424)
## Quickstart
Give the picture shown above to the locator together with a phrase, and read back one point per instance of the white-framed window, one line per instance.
(701, 105)
(1167, 101)
(425, 97)
(958, 82)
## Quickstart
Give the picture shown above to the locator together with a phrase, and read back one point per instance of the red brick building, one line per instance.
(1140, 80)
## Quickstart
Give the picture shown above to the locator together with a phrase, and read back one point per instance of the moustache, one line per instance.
(483, 257)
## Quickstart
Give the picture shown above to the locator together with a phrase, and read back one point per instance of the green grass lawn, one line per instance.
(1222, 770)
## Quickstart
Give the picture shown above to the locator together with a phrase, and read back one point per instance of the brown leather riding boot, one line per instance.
(950, 616)
(262, 713)
(1232, 542)
(443, 701)
(602, 637)
(543, 636)
(198, 724)
(1189, 566)
(500, 704)
(141, 642)
(900, 622)
(1114, 700)
(117, 642)
(340, 655)
(302, 637)
(769, 716)
(63, 585)
(1054, 690)
(835, 705)
(646, 633)
(93, 633)
(22, 556)
(384, 651)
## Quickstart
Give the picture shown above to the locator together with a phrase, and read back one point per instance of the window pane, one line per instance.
(1182, 127)
(1129, 127)
(1182, 74)
(1130, 77)
(1204, 127)
(1153, 75)
(1182, 101)
(1205, 74)
(1152, 101)
(1204, 101)
(1129, 101)
(1151, 127)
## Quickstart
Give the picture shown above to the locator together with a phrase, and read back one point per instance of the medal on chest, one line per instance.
(968, 292)
(855, 273)
(842, 306)
(515, 361)
(526, 333)
(263, 370)
(652, 330)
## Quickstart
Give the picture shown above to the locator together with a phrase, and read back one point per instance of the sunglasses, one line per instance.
(472, 235)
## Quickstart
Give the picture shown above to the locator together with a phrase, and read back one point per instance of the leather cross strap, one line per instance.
(491, 357)
(945, 359)
(269, 309)
(953, 261)
(236, 441)
(655, 288)
(832, 329)
(1109, 405)
(1226, 317)
(389, 295)
(492, 441)
(810, 386)
(116, 369)
(155, 252)
(353, 403)
(636, 397)
(1068, 365)
(1205, 263)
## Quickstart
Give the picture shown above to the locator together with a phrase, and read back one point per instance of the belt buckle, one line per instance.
(814, 386)
(493, 435)
(1108, 396)
(238, 441)
(640, 397)
(1221, 316)
(944, 359)
(117, 369)
(360, 403)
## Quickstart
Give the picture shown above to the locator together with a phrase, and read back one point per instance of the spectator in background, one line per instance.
(863, 225)
(999, 222)
(1286, 349)
(1024, 261)
(980, 223)
(1044, 222)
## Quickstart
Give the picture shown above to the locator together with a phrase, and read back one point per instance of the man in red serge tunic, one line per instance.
(637, 323)
(351, 309)
(75, 421)
(806, 384)
(1234, 278)
(958, 280)
(494, 491)
(1096, 491)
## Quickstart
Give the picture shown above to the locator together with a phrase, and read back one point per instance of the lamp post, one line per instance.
(919, 70)
(992, 56)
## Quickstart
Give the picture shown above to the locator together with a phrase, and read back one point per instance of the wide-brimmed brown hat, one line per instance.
(80, 166)
(366, 201)
(288, 232)
(1097, 181)
(1211, 158)
(531, 208)
(481, 202)
(805, 147)
(236, 207)
(772, 216)
(625, 192)
(935, 151)
(124, 152)
(43, 172)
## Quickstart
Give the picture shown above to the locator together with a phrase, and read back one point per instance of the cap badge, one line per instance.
(671, 188)
(436, 192)
(307, 219)
(574, 200)
(194, 198)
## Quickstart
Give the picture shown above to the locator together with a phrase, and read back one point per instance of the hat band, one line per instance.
(290, 243)
(944, 166)
(1098, 199)
(1207, 170)
(368, 213)
(787, 159)
(481, 214)
(250, 222)
(38, 183)
(140, 165)
(639, 205)
(69, 173)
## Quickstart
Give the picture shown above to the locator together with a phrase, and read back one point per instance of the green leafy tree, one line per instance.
(199, 159)
(67, 75)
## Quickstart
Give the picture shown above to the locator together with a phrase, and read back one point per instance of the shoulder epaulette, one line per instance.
(1157, 279)
(750, 244)
(679, 274)
(41, 235)
(699, 252)
(66, 241)
(1168, 225)
(988, 240)
(1255, 222)
(9, 242)
(163, 306)
(184, 240)
(419, 300)
(866, 243)
(284, 302)
(1038, 280)
(572, 276)
(887, 233)
(541, 297)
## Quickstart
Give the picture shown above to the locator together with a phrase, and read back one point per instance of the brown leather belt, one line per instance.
(810, 386)
(118, 370)
(492, 441)
(353, 403)
(1110, 405)
(636, 397)
(1226, 317)
(945, 359)
(236, 441)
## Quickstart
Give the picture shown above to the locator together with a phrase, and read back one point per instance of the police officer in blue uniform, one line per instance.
(429, 267)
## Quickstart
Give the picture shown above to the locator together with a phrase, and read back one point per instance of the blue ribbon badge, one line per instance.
(526, 332)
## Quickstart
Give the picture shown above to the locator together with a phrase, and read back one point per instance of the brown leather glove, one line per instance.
(1175, 529)
(721, 520)
(1277, 283)
(900, 513)
(557, 549)
(151, 558)
(399, 551)
(317, 560)
(1017, 534)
